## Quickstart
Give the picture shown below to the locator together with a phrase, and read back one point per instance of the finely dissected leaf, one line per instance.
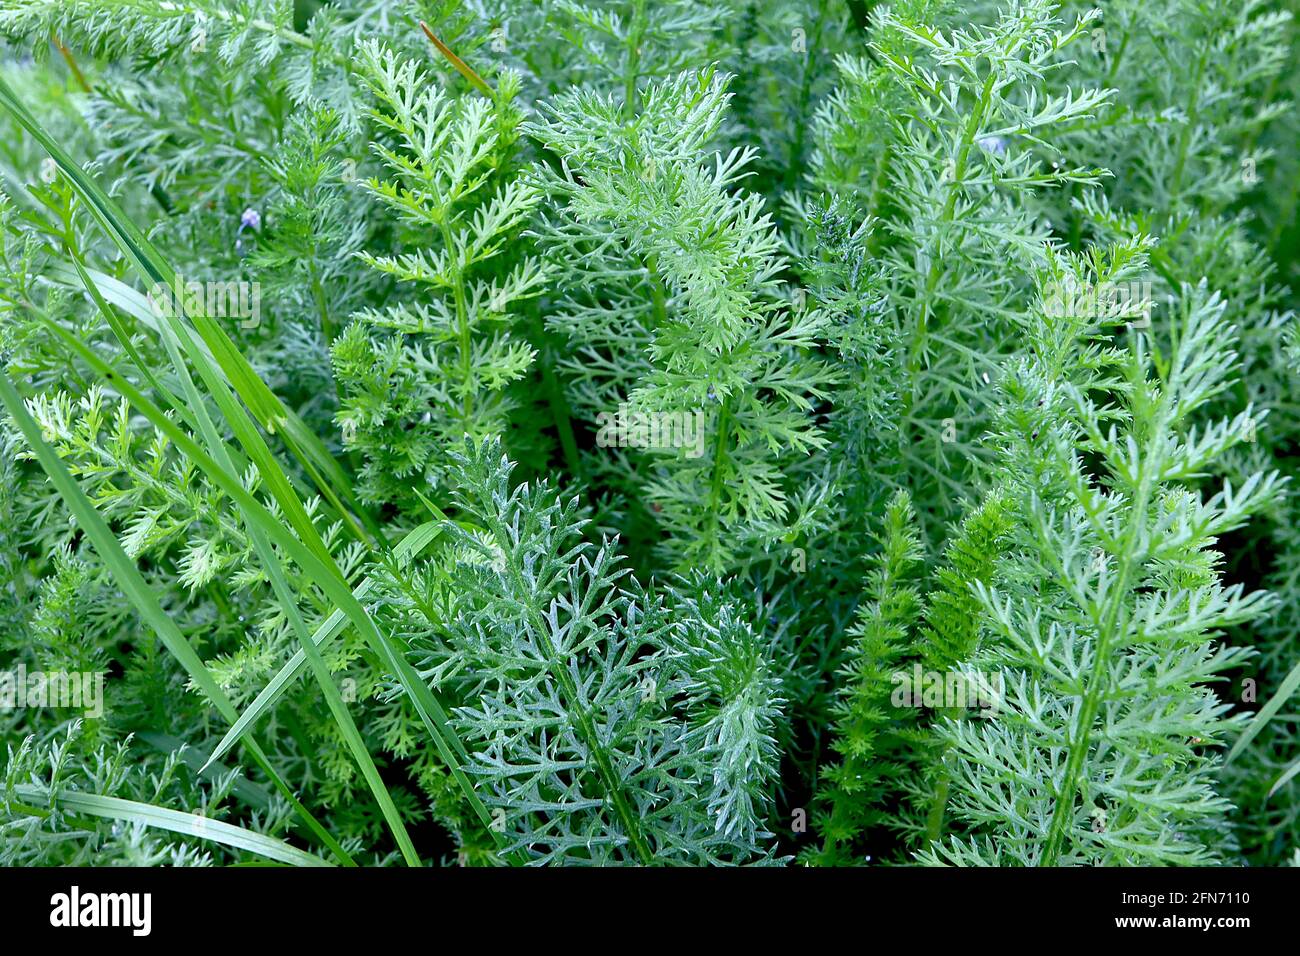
(666, 432)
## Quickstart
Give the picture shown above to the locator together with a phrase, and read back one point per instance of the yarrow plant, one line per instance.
(494, 433)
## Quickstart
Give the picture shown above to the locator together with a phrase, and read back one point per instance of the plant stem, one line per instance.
(582, 722)
(555, 396)
(946, 217)
(632, 66)
(1100, 675)
(462, 319)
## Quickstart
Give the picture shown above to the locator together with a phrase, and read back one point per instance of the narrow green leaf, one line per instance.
(137, 591)
(175, 821)
(220, 357)
(413, 544)
(284, 595)
(327, 578)
(1266, 713)
(245, 790)
(1281, 781)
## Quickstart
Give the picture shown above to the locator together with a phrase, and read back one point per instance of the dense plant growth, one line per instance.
(655, 432)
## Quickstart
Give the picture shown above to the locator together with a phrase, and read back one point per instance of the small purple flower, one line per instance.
(251, 219)
(994, 144)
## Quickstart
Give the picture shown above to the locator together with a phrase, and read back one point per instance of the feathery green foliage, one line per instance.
(648, 432)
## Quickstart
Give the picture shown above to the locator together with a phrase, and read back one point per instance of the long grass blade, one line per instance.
(1285, 778)
(328, 579)
(133, 585)
(285, 596)
(175, 821)
(413, 544)
(223, 358)
(244, 789)
(1266, 713)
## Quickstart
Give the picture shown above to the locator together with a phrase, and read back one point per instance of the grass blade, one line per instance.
(327, 578)
(1281, 781)
(244, 789)
(284, 595)
(413, 544)
(128, 578)
(461, 66)
(175, 821)
(220, 357)
(1266, 713)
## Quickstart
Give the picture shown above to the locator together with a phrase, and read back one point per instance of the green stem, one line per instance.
(582, 722)
(554, 390)
(794, 166)
(632, 66)
(318, 294)
(1119, 55)
(462, 321)
(1099, 677)
(1185, 137)
(939, 804)
(945, 217)
(719, 459)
